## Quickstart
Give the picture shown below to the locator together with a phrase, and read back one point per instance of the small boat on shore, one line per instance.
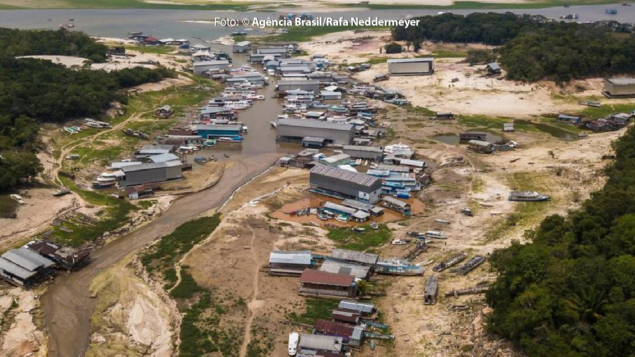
(527, 196)
(398, 267)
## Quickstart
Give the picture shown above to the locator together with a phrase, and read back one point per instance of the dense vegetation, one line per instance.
(533, 48)
(35, 91)
(571, 291)
(61, 42)
(393, 47)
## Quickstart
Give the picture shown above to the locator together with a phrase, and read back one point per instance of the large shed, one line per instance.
(202, 67)
(289, 263)
(296, 129)
(308, 85)
(150, 173)
(24, 267)
(332, 344)
(411, 66)
(619, 87)
(337, 182)
(319, 283)
(241, 47)
(356, 270)
(353, 256)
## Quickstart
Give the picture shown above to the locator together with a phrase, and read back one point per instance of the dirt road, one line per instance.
(67, 305)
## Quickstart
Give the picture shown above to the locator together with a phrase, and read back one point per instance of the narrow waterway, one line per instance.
(67, 306)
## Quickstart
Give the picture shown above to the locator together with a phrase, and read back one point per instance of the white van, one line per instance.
(294, 339)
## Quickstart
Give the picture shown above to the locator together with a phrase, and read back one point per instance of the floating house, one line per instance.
(346, 316)
(364, 152)
(319, 283)
(362, 308)
(337, 267)
(336, 160)
(351, 335)
(289, 263)
(481, 146)
(294, 130)
(411, 66)
(67, 258)
(354, 257)
(336, 182)
(396, 205)
(215, 131)
(211, 66)
(307, 85)
(241, 47)
(24, 267)
(569, 119)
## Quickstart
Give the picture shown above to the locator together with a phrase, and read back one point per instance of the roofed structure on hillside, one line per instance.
(353, 256)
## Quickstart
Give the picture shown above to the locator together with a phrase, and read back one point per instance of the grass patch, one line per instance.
(606, 110)
(171, 247)
(315, 309)
(116, 215)
(526, 214)
(187, 286)
(371, 238)
(160, 50)
(420, 110)
(8, 206)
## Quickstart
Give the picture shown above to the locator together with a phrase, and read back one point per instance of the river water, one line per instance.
(170, 23)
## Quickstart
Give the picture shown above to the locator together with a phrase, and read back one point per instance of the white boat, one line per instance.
(435, 235)
(17, 198)
(294, 339)
(237, 105)
(398, 242)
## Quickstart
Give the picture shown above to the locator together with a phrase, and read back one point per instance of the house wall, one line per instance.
(350, 189)
(619, 89)
(135, 178)
(216, 133)
(360, 154)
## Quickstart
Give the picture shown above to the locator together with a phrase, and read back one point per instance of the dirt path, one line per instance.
(67, 306)
(254, 303)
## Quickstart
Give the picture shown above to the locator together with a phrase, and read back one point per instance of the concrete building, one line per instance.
(241, 47)
(318, 283)
(411, 66)
(24, 267)
(345, 184)
(295, 130)
(150, 173)
(619, 87)
(289, 263)
(364, 152)
(201, 67)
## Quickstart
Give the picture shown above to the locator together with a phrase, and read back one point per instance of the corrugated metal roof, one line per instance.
(319, 277)
(300, 257)
(358, 205)
(479, 143)
(345, 315)
(210, 63)
(336, 158)
(15, 269)
(395, 201)
(354, 256)
(142, 167)
(118, 165)
(356, 306)
(319, 342)
(164, 158)
(411, 60)
(218, 127)
(364, 148)
(344, 175)
(27, 259)
(333, 328)
(358, 271)
(494, 66)
(315, 124)
(408, 162)
(243, 43)
(213, 110)
(340, 208)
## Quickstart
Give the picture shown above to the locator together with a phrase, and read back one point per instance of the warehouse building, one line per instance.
(619, 87)
(364, 152)
(294, 130)
(202, 67)
(24, 267)
(336, 182)
(411, 66)
(289, 263)
(150, 173)
(241, 47)
(319, 283)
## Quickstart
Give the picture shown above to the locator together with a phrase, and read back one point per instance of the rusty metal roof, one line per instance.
(319, 277)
